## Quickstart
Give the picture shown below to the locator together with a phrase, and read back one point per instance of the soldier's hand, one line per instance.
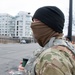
(20, 68)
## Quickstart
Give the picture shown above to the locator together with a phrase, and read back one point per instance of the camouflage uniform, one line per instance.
(56, 58)
(55, 61)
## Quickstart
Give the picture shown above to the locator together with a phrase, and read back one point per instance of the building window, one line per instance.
(17, 33)
(17, 22)
(5, 34)
(5, 31)
(17, 27)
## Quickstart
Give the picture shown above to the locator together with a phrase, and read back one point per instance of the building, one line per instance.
(22, 25)
(5, 24)
(17, 27)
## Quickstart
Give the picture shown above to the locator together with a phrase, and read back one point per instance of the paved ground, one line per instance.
(12, 54)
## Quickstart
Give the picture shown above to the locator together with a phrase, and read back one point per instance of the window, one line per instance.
(17, 27)
(17, 22)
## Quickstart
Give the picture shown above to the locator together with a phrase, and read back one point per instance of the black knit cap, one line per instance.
(51, 16)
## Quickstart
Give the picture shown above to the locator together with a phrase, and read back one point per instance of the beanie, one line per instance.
(50, 16)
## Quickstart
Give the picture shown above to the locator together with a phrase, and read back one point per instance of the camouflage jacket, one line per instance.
(56, 58)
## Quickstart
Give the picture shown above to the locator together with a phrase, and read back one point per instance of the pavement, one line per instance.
(12, 53)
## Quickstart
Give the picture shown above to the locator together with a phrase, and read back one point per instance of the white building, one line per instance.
(5, 24)
(22, 25)
(18, 26)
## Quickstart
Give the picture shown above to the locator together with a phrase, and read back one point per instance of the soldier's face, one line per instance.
(36, 20)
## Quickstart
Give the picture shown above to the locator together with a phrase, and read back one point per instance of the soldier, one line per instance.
(57, 55)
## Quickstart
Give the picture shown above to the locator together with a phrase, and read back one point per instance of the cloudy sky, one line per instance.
(12, 7)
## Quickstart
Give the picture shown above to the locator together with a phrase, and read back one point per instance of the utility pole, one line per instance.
(69, 36)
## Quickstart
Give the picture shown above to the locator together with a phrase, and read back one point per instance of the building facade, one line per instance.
(18, 26)
(5, 24)
(22, 25)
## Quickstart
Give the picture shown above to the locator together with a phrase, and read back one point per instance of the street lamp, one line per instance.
(69, 36)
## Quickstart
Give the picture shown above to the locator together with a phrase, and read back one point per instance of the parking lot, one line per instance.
(12, 54)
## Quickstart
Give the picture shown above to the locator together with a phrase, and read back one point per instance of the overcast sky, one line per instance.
(12, 7)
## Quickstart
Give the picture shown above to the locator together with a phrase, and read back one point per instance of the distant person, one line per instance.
(57, 55)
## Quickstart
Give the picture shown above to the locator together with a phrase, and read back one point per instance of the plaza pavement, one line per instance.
(12, 53)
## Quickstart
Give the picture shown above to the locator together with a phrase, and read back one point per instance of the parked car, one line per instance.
(23, 42)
